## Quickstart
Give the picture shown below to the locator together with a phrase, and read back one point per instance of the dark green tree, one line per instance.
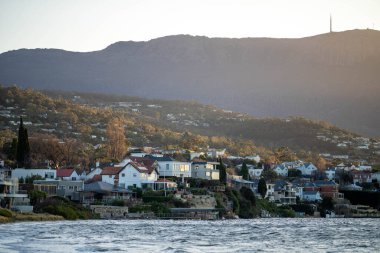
(269, 174)
(244, 171)
(294, 173)
(23, 148)
(262, 187)
(222, 171)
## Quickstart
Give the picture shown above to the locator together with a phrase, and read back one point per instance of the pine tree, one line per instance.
(262, 187)
(222, 172)
(23, 149)
(244, 171)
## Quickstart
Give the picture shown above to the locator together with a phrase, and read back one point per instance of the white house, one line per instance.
(307, 169)
(255, 158)
(215, 153)
(24, 173)
(68, 174)
(255, 172)
(196, 154)
(110, 174)
(330, 173)
(311, 196)
(136, 175)
(93, 173)
(281, 170)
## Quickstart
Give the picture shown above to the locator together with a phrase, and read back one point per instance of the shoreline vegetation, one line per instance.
(11, 217)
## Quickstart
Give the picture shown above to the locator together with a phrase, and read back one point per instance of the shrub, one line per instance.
(159, 208)
(36, 196)
(5, 213)
(117, 202)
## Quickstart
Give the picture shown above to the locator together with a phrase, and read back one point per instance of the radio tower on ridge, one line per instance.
(330, 24)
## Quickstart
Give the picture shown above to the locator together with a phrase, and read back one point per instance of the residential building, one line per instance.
(137, 175)
(311, 196)
(11, 197)
(328, 189)
(24, 173)
(67, 174)
(307, 169)
(361, 176)
(169, 167)
(281, 170)
(284, 193)
(204, 169)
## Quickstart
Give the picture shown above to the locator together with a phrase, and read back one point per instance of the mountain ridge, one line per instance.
(324, 77)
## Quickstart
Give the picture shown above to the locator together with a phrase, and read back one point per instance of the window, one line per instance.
(62, 187)
(207, 174)
(70, 187)
(75, 188)
(182, 167)
(167, 166)
(73, 178)
(196, 167)
(123, 174)
(134, 174)
(110, 176)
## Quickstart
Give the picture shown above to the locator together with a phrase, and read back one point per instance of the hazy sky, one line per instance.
(86, 25)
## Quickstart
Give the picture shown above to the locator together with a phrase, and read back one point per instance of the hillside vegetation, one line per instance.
(80, 119)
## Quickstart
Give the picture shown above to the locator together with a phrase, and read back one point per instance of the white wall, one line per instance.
(23, 173)
(174, 169)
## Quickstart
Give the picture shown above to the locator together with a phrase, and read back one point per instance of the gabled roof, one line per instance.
(281, 167)
(139, 167)
(111, 170)
(64, 172)
(147, 162)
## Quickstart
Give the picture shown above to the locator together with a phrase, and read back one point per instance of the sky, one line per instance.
(88, 25)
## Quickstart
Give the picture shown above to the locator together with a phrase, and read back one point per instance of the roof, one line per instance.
(102, 187)
(281, 167)
(147, 162)
(310, 192)
(64, 172)
(323, 182)
(139, 167)
(199, 161)
(161, 159)
(111, 170)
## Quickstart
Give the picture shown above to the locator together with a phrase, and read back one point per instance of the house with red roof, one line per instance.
(110, 175)
(68, 174)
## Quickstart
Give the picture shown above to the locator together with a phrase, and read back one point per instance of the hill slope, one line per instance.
(331, 77)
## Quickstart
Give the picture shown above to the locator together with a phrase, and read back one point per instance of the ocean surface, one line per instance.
(257, 235)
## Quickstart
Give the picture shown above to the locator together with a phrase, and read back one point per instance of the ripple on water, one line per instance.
(258, 235)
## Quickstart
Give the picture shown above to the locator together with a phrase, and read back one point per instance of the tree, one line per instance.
(244, 171)
(23, 148)
(294, 173)
(269, 174)
(284, 154)
(117, 145)
(262, 187)
(222, 172)
(321, 164)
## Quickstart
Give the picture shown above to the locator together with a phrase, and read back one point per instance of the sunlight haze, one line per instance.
(93, 25)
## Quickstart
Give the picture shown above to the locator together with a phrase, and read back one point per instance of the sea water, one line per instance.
(256, 235)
